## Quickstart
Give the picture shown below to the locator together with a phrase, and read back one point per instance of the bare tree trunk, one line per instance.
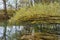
(16, 4)
(5, 10)
(32, 2)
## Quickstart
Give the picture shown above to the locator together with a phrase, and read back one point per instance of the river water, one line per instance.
(10, 29)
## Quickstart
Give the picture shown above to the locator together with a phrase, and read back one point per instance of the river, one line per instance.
(10, 30)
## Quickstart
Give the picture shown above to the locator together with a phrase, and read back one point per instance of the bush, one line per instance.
(39, 12)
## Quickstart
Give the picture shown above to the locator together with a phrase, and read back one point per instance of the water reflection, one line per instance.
(1, 31)
(10, 30)
(10, 34)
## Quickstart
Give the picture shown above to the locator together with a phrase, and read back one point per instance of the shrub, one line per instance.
(30, 15)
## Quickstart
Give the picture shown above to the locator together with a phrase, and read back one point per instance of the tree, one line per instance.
(32, 2)
(16, 4)
(5, 9)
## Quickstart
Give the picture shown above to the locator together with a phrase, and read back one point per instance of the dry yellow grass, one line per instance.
(39, 36)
